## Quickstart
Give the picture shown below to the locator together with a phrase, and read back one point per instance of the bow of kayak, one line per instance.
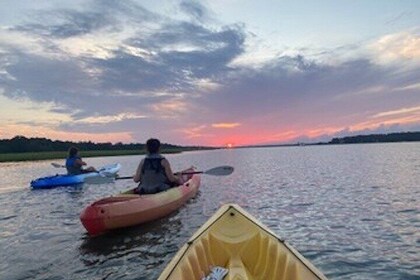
(234, 240)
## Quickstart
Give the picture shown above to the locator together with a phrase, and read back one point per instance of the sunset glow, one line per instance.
(208, 73)
(225, 125)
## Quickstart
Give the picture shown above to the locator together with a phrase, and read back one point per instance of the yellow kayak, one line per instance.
(236, 243)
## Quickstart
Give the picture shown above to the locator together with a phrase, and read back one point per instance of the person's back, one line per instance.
(154, 172)
(153, 177)
(74, 163)
(72, 166)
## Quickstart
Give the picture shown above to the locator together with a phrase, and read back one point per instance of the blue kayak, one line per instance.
(70, 180)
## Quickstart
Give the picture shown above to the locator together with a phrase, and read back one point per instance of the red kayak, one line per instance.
(129, 209)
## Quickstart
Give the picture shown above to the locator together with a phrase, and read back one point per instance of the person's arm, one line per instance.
(79, 162)
(137, 176)
(168, 171)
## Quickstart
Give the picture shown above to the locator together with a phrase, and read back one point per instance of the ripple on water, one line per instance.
(7, 217)
(352, 210)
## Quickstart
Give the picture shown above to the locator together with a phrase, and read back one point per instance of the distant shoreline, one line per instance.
(139, 149)
(399, 137)
(318, 144)
(16, 157)
(21, 148)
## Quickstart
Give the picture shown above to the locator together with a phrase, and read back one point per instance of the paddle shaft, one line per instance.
(186, 173)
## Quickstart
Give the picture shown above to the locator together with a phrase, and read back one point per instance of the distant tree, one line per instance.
(21, 144)
(378, 138)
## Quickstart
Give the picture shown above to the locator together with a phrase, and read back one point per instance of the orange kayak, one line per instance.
(129, 209)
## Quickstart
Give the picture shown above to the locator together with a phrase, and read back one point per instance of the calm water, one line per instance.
(353, 211)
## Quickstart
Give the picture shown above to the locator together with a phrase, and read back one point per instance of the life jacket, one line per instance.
(72, 168)
(153, 176)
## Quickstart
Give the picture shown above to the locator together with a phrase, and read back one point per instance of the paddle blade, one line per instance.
(220, 171)
(106, 174)
(56, 165)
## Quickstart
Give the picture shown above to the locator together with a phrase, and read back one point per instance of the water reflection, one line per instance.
(146, 245)
(353, 210)
(125, 239)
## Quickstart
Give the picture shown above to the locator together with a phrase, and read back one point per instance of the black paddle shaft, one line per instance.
(186, 173)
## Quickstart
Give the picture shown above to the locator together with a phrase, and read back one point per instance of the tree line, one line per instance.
(21, 144)
(378, 138)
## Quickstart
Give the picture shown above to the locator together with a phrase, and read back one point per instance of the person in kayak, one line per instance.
(154, 171)
(74, 163)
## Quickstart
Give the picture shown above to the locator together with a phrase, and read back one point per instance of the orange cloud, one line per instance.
(225, 125)
(196, 132)
(171, 108)
(375, 124)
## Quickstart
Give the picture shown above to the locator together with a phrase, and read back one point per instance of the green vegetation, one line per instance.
(21, 148)
(84, 154)
(31, 156)
(25, 149)
(21, 144)
(359, 139)
(378, 138)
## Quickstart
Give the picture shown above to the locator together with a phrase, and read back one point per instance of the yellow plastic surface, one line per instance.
(235, 240)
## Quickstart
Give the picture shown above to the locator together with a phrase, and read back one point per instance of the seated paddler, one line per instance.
(74, 163)
(154, 173)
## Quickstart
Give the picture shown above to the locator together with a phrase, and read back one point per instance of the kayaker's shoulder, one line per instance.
(165, 162)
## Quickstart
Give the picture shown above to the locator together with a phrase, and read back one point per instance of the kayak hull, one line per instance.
(70, 180)
(128, 209)
(235, 240)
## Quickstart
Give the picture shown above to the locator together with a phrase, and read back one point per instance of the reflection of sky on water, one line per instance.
(352, 210)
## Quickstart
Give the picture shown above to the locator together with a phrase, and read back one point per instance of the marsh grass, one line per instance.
(84, 154)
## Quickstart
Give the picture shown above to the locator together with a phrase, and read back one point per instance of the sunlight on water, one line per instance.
(352, 210)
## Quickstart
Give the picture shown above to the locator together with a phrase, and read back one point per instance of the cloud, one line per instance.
(195, 9)
(398, 17)
(302, 97)
(114, 66)
(96, 16)
(86, 67)
(415, 86)
(70, 23)
(397, 47)
(196, 132)
(170, 108)
(110, 119)
(397, 112)
(225, 125)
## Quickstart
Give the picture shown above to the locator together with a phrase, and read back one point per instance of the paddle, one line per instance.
(216, 171)
(56, 165)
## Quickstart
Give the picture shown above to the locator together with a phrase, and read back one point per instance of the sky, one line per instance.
(208, 72)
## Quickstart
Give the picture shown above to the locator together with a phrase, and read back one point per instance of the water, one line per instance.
(352, 210)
